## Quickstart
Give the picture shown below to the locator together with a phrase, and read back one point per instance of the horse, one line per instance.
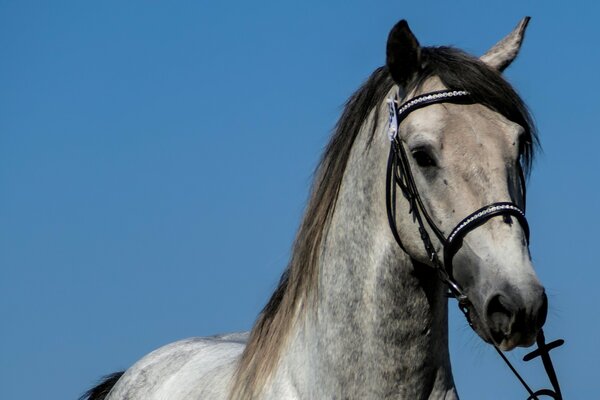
(428, 158)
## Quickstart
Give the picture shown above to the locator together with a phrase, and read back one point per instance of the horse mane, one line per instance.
(297, 287)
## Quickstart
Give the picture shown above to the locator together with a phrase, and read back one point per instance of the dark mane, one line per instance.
(297, 287)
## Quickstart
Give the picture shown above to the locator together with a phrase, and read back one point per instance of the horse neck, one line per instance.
(379, 325)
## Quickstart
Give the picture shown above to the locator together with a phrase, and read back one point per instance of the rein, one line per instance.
(399, 174)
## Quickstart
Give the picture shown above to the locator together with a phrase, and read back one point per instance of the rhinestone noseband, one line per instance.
(399, 174)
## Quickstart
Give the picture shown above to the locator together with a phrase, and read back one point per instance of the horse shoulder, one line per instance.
(193, 368)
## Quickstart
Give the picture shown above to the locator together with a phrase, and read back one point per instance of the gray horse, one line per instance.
(356, 316)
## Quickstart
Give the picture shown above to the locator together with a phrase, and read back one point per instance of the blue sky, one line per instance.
(155, 159)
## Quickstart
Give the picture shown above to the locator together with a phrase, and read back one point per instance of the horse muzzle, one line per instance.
(513, 318)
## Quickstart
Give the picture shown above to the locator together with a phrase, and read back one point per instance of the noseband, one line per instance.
(399, 174)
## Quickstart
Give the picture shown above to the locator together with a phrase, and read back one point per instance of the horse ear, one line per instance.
(505, 51)
(403, 54)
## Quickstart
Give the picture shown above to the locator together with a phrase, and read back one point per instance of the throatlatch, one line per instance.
(399, 174)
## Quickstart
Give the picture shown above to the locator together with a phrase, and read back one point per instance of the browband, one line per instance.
(397, 114)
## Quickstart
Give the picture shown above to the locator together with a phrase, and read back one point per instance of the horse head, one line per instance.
(462, 157)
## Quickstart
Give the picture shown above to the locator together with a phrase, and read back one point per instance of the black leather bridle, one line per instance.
(399, 174)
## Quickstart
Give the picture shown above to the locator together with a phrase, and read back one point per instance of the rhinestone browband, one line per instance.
(428, 98)
(398, 113)
(480, 214)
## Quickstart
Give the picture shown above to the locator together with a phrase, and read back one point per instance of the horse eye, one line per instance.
(423, 159)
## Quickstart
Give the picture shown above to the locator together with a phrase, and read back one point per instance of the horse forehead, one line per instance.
(463, 125)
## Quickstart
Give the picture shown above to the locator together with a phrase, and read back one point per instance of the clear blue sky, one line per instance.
(155, 158)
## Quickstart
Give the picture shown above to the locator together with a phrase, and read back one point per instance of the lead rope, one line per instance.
(399, 173)
(532, 395)
(542, 351)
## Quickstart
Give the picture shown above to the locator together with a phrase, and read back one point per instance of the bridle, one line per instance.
(399, 174)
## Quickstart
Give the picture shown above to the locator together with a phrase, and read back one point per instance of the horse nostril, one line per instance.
(517, 321)
(499, 316)
(497, 305)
